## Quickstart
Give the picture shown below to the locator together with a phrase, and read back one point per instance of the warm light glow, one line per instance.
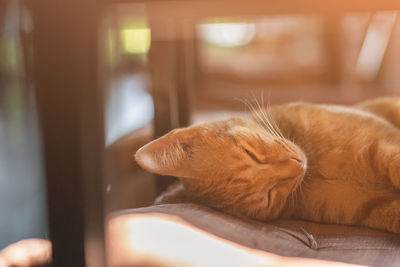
(375, 44)
(163, 238)
(228, 34)
(27, 252)
(136, 41)
(167, 240)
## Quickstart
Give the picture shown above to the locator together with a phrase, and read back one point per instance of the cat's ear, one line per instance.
(169, 154)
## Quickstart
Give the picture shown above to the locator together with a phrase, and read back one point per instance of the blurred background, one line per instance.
(164, 65)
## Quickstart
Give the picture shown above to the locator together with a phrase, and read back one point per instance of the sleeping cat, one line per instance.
(322, 163)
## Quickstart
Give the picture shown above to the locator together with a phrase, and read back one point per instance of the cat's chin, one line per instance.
(297, 185)
(299, 177)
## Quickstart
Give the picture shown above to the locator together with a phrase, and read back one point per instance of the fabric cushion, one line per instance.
(349, 244)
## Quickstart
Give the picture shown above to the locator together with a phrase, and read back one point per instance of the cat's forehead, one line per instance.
(229, 124)
(233, 129)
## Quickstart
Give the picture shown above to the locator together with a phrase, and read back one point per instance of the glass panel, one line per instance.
(129, 107)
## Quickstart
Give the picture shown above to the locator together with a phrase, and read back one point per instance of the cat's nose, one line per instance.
(297, 164)
(300, 163)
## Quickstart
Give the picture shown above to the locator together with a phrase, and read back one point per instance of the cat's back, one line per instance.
(318, 128)
(384, 107)
(323, 117)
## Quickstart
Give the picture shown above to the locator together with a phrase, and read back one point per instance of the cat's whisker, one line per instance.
(268, 121)
(268, 118)
(243, 101)
(266, 110)
(260, 119)
(265, 121)
(263, 115)
(256, 112)
(274, 123)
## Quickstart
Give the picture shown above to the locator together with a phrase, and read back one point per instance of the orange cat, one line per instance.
(322, 163)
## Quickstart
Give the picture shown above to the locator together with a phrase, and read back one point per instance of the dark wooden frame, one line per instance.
(70, 106)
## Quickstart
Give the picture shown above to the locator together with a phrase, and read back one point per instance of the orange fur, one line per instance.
(321, 163)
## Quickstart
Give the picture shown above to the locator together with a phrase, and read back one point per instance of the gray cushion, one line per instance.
(291, 238)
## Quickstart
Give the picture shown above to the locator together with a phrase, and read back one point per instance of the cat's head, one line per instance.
(235, 165)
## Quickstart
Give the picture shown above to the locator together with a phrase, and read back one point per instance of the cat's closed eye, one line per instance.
(252, 155)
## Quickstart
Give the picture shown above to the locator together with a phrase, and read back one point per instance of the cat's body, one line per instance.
(353, 174)
(322, 163)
